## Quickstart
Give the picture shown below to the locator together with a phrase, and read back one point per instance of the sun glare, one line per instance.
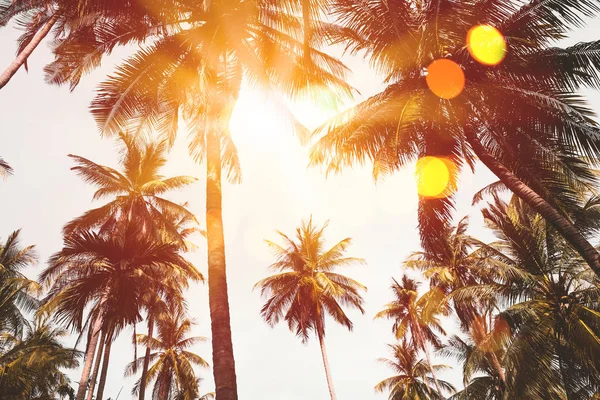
(433, 176)
(445, 78)
(486, 44)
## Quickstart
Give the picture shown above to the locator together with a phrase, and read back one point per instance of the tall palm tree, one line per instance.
(414, 379)
(5, 169)
(172, 368)
(110, 273)
(136, 192)
(523, 119)
(553, 313)
(306, 289)
(416, 316)
(17, 292)
(193, 66)
(32, 367)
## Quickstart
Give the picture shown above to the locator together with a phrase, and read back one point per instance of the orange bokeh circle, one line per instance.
(445, 78)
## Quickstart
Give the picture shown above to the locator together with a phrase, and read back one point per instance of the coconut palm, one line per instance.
(523, 119)
(32, 367)
(307, 289)
(110, 274)
(456, 263)
(553, 311)
(5, 169)
(172, 368)
(193, 66)
(414, 379)
(482, 353)
(136, 193)
(17, 292)
(416, 317)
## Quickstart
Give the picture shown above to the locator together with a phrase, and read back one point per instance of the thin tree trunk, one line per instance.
(537, 203)
(102, 383)
(96, 366)
(12, 69)
(326, 365)
(307, 31)
(435, 380)
(146, 358)
(223, 360)
(165, 387)
(89, 356)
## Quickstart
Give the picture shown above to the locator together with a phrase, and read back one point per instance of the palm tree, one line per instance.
(17, 292)
(414, 379)
(172, 368)
(553, 313)
(195, 69)
(416, 317)
(523, 119)
(31, 368)
(306, 289)
(481, 353)
(456, 263)
(5, 169)
(110, 273)
(136, 191)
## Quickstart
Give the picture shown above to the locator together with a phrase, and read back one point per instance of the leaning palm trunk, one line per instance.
(430, 365)
(105, 360)
(12, 69)
(96, 367)
(89, 356)
(567, 230)
(146, 358)
(326, 366)
(223, 361)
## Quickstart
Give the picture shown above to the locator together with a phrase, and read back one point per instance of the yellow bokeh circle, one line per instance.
(434, 176)
(486, 44)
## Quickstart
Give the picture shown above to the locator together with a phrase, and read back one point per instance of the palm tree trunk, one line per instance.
(12, 69)
(223, 360)
(96, 367)
(435, 380)
(102, 383)
(146, 358)
(567, 230)
(89, 356)
(306, 31)
(326, 365)
(165, 387)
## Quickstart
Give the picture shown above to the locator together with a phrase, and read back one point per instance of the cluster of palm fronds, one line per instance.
(119, 260)
(528, 309)
(32, 357)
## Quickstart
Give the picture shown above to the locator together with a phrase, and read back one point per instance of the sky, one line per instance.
(41, 124)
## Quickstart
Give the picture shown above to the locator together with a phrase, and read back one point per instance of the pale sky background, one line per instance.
(41, 124)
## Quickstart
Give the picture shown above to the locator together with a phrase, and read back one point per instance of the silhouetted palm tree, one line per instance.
(111, 274)
(414, 379)
(17, 292)
(523, 119)
(136, 193)
(172, 368)
(416, 317)
(307, 290)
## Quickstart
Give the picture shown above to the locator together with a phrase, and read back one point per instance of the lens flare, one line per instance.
(486, 44)
(445, 78)
(434, 177)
